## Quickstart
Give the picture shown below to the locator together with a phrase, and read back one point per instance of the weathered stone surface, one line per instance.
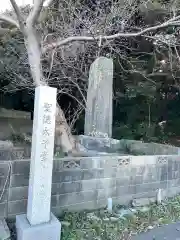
(11, 113)
(4, 183)
(40, 181)
(66, 187)
(92, 180)
(133, 147)
(19, 180)
(173, 169)
(6, 145)
(17, 207)
(136, 148)
(18, 193)
(45, 231)
(105, 183)
(98, 116)
(4, 169)
(173, 183)
(3, 210)
(14, 153)
(20, 167)
(100, 144)
(171, 191)
(126, 190)
(106, 193)
(69, 198)
(6, 150)
(3, 196)
(69, 176)
(149, 187)
(18, 153)
(5, 155)
(89, 205)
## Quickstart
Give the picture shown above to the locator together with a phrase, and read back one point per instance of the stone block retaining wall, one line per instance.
(86, 183)
(14, 122)
(126, 146)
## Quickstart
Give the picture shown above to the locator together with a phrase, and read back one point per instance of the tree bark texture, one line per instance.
(63, 136)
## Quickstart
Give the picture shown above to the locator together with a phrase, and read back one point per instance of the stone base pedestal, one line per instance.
(45, 231)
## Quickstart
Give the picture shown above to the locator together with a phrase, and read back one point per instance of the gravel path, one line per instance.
(166, 232)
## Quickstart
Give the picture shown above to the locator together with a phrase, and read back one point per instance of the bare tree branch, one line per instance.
(9, 20)
(18, 14)
(58, 43)
(68, 22)
(34, 14)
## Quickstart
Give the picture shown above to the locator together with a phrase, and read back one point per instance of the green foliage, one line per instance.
(14, 63)
(138, 70)
(143, 88)
(137, 116)
(100, 225)
(140, 131)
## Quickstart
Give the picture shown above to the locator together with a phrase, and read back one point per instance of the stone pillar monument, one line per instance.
(98, 115)
(40, 223)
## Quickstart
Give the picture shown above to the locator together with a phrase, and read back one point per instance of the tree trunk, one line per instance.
(63, 136)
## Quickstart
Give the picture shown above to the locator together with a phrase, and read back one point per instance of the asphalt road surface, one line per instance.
(167, 232)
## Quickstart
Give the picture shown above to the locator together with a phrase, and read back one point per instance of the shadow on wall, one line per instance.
(14, 122)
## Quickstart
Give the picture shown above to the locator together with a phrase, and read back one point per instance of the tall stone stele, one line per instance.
(39, 223)
(98, 114)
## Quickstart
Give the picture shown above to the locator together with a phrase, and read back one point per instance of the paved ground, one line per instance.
(167, 232)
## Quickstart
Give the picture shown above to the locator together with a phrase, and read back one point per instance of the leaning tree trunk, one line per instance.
(63, 136)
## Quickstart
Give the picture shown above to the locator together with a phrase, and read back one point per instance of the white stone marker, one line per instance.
(39, 196)
(40, 223)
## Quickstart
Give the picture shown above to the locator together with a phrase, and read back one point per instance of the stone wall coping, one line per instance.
(135, 160)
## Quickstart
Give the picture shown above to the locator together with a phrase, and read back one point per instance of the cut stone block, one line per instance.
(98, 116)
(44, 231)
(6, 144)
(39, 194)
